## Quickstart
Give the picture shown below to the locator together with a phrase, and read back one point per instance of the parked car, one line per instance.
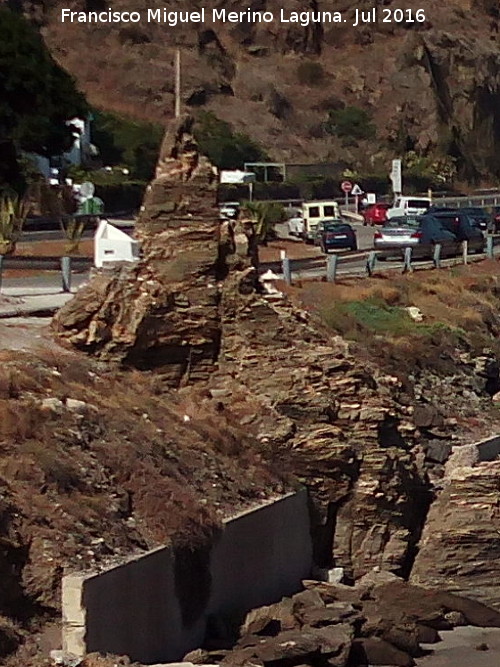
(397, 233)
(375, 214)
(495, 219)
(446, 226)
(337, 235)
(409, 206)
(477, 217)
(449, 228)
(229, 210)
(320, 227)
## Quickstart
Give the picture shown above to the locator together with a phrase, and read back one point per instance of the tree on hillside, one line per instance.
(350, 122)
(224, 148)
(37, 97)
(127, 142)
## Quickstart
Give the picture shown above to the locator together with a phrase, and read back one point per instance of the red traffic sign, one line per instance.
(346, 186)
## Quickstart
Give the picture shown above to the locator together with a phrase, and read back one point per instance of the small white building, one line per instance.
(113, 245)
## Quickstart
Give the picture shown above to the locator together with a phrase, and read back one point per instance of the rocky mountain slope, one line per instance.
(199, 394)
(432, 87)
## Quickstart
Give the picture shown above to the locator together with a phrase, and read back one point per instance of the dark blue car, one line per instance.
(337, 236)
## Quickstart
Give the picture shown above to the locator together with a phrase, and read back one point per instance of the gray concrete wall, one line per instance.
(156, 607)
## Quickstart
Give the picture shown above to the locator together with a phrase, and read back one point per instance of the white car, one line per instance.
(409, 206)
(229, 210)
(295, 226)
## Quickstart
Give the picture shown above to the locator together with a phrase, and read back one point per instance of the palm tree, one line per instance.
(13, 213)
(264, 216)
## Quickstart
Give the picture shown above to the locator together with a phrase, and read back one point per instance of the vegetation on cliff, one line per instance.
(37, 97)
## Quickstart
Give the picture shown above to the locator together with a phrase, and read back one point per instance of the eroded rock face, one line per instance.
(341, 428)
(460, 547)
(163, 311)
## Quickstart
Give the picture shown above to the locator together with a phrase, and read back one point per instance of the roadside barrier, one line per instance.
(421, 256)
(65, 265)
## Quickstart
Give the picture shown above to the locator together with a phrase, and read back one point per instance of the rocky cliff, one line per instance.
(163, 312)
(430, 86)
(362, 440)
(191, 309)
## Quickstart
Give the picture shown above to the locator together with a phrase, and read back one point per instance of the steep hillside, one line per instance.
(432, 87)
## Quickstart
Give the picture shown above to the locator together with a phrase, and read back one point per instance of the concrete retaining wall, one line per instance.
(157, 606)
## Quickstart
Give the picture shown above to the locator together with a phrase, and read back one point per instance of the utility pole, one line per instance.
(177, 66)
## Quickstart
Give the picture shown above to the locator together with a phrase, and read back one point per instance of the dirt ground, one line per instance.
(294, 250)
(27, 333)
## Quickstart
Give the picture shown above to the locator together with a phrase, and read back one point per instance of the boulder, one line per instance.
(460, 546)
(376, 651)
(271, 620)
(305, 646)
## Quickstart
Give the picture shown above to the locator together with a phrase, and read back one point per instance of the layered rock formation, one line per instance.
(191, 310)
(163, 311)
(343, 429)
(460, 546)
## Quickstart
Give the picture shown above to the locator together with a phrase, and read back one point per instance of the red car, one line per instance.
(375, 214)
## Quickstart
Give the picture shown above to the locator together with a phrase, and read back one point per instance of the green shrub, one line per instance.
(310, 73)
(351, 122)
(131, 143)
(376, 317)
(224, 148)
(364, 320)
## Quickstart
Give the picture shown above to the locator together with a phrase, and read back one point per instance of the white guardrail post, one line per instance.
(286, 269)
(407, 267)
(66, 273)
(437, 256)
(465, 250)
(1, 271)
(489, 247)
(371, 260)
(331, 268)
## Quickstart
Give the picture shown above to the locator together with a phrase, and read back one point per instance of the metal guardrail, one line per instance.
(66, 265)
(474, 200)
(429, 255)
(52, 223)
(39, 263)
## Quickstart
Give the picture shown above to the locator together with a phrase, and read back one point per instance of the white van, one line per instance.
(409, 206)
(315, 211)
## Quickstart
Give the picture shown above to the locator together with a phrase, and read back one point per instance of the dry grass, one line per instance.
(460, 307)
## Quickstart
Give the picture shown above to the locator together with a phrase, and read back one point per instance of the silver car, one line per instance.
(397, 233)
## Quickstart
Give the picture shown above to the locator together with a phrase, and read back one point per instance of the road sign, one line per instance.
(346, 186)
(395, 177)
(356, 191)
